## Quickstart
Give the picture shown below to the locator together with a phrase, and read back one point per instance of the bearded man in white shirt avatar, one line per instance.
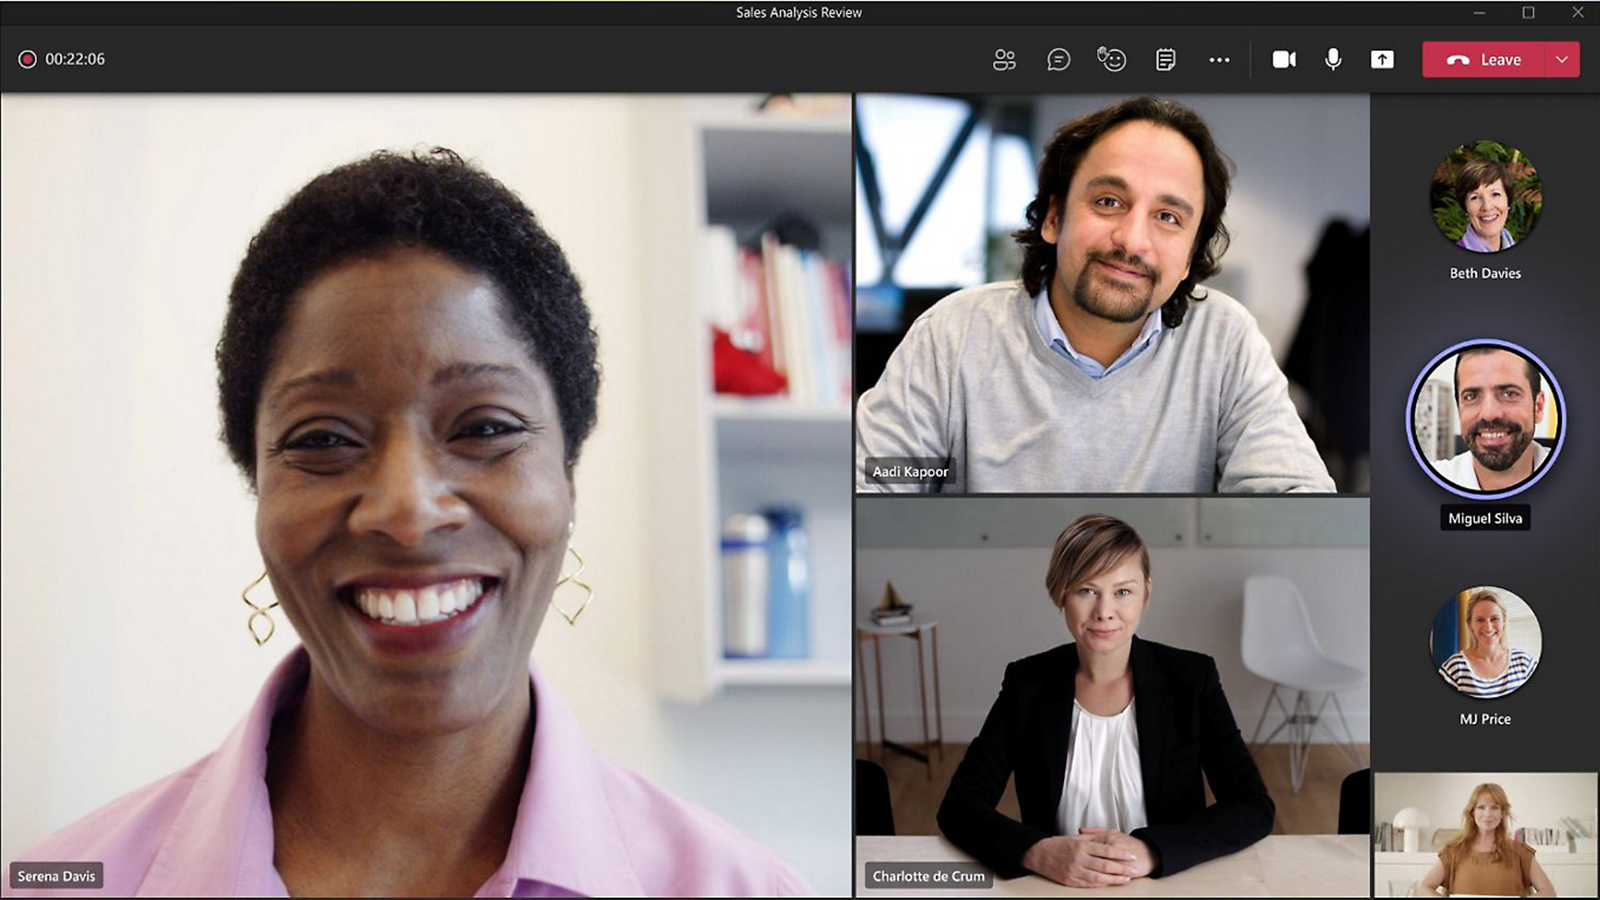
(1499, 402)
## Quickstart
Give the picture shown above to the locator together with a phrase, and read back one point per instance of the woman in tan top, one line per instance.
(1483, 859)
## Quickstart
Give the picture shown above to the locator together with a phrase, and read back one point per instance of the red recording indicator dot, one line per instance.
(27, 59)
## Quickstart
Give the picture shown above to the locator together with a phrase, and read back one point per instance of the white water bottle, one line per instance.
(745, 576)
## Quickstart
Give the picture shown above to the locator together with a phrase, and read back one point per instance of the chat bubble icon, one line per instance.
(1058, 60)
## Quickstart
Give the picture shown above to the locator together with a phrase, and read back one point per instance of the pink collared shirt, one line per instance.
(585, 826)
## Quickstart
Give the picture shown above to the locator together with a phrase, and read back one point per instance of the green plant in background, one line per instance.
(1525, 192)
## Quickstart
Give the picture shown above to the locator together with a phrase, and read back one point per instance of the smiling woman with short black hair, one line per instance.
(408, 373)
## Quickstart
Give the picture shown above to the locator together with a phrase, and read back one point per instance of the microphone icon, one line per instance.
(1332, 59)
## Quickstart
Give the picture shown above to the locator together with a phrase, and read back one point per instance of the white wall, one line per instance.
(1302, 159)
(127, 535)
(1538, 799)
(992, 609)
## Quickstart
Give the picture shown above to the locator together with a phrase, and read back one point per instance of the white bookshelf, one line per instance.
(716, 161)
(784, 673)
(1572, 874)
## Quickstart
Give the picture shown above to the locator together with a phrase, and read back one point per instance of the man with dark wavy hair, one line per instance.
(1107, 368)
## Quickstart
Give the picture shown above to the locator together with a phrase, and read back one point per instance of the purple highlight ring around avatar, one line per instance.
(1447, 484)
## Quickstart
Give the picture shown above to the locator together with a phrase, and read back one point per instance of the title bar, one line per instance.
(934, 59)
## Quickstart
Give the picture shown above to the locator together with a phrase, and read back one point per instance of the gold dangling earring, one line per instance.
(588, 592)
(260, 612)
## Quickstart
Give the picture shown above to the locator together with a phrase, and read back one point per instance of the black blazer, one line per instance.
(1185, 727)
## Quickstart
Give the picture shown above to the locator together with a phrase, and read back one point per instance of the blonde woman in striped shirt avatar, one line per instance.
(1489, 666)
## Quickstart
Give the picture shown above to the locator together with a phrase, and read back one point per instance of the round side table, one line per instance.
(915, 630)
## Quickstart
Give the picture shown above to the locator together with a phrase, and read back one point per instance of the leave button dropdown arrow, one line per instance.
(1561, 59)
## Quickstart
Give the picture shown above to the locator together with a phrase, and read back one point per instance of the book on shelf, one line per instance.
(786, 306)
(1550, 840)
(891, 610)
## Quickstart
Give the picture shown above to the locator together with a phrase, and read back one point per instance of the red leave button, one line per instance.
(1500, 59)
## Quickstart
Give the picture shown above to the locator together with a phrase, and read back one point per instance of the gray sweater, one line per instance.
(1203, 409)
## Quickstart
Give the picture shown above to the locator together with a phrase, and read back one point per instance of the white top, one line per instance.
(1458, 469)
(1104, 787)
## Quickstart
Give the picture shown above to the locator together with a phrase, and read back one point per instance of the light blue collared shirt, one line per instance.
(1050, 329)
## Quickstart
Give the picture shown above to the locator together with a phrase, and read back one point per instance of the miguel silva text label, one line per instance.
(1477, 517)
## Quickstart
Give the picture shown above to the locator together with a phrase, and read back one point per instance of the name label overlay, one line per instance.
(929, 471)
(1483, 273)
(47, 875)
(925, 875)
(1478, 517)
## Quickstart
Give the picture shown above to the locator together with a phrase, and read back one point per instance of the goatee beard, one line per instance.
(1114, 301)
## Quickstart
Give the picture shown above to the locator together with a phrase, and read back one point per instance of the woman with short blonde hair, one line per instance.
(1111, 740)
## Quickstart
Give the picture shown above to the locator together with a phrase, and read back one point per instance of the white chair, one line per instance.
(1277, 644)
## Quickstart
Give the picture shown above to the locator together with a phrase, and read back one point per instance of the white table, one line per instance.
(1280, 865)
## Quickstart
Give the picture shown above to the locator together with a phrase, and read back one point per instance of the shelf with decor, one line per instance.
(721, 176)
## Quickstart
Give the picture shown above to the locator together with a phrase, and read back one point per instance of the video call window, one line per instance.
(1432, 824)
(516, 449)
(1254, 253)
(458, 314)
(1124, 649)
